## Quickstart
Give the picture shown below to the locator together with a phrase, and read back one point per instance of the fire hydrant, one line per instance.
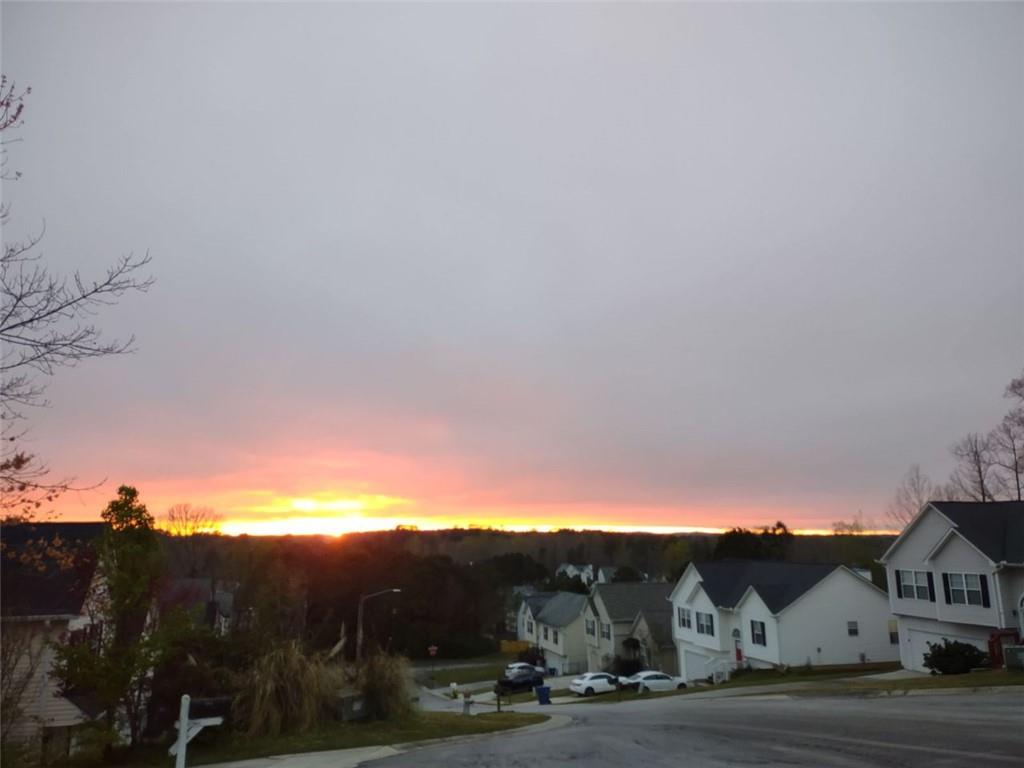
(467, 703)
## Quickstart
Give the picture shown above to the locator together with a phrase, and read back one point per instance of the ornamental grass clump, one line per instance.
(384, 682)
(287, 692)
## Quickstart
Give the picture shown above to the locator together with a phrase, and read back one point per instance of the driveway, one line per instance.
(770, 730)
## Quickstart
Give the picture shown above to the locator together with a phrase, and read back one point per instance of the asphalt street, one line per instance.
(773, 730)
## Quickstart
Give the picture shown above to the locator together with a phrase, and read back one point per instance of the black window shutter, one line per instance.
(945, 588)
(931, 587)
(899, 584)
(984, 590)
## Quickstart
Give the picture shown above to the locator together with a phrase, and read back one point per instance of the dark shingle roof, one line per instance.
(624, 599)
(778, 583)
(995, 527)
(537, 601)
(32, 582)
(562, 609)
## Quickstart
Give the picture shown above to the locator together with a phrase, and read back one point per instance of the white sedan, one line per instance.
(652, 680)
(519, 667)
(593, 682)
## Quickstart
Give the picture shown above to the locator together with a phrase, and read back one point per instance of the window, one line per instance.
(964, 588)
(705, 624)
(545, 633)
(685, 620)
(606, 631)
(913, 585)
(894, 632)
(852, 629)
(529, 627)
(590, 627)
(554, 637)
(757, 636)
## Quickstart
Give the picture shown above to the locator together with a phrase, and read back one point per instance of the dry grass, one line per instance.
(384, 681)
(287, 692)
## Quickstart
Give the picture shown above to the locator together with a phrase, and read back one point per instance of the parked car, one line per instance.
(593, 682)
(523, 680)
(652, 680)
(521, 666)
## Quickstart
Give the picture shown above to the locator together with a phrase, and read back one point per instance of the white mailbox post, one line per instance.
(187, 730)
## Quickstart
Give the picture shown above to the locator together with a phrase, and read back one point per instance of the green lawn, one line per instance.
(489, 667)
(529, 696)
(831, 681)
(985, 679)
(462, 675)
(216, 747)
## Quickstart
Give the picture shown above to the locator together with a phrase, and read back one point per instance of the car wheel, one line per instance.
(681, 686)
(589, 692)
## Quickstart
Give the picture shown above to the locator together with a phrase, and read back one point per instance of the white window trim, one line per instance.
(918, 581)
(964, 589)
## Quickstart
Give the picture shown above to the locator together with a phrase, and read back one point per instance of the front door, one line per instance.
(737, 640)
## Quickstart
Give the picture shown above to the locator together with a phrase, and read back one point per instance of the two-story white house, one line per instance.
(957, 572)
(526, 617)
(765, 614)
(609, 616)
(559, 628)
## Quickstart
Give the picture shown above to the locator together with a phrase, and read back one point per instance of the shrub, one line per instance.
(384, 682)
(286, 691)
(625, 667)
(953, 657)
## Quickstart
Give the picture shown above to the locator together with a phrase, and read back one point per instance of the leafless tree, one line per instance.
(914, 491)
(1007, 442)
(973, 477)
(188, 525)
(186, 520)
(45, 324)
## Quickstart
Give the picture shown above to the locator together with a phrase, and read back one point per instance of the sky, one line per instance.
(623, 266)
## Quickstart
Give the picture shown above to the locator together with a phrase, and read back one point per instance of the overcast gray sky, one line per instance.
(618, 264)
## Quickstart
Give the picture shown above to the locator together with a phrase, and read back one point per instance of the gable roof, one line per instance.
(994, 527)
(562, 609)
(624, 599)
(778, 583)
(537, 601)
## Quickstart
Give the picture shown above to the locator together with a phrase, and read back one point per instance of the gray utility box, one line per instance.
(1014, 656)
(350, 705)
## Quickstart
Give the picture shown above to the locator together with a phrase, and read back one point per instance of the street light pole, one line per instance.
(359, 619)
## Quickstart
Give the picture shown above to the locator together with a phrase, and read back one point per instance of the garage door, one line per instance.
(695, 665)
(919, 645)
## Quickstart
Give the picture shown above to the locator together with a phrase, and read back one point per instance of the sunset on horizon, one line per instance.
(499, 383)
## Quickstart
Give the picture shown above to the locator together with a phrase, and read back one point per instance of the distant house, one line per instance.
(45, 600)
(765, 614)
(609, 616)
(651, 632)
(526, 618)
(957, 572)
(209, 602)
(606, 573)
(560, 633)
(573, 570)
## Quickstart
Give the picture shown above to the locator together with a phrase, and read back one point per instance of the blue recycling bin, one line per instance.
(543, 694)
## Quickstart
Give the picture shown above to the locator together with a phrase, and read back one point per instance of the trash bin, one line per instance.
(543, 694)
